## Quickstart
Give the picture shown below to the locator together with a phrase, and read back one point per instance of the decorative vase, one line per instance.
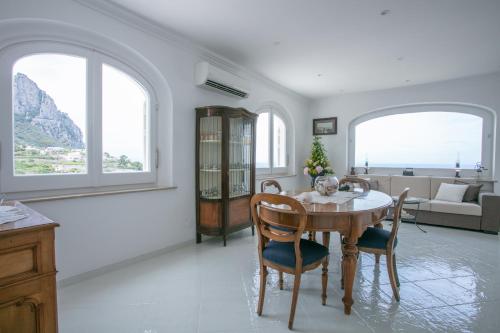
(326, 185)
(313, 181)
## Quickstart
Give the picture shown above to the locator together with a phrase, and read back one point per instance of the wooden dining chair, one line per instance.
(273, 186)
(362, 183)
(379, 241)
(284, 249)
(270, 186)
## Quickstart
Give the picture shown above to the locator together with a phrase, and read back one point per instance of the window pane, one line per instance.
(263, 141)
(49, 105)
(420, 140)
(279, 142)
(125, 130)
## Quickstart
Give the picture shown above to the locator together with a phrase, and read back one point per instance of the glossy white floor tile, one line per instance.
(449, 283)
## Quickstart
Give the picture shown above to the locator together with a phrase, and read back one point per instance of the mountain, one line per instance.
(37, 120)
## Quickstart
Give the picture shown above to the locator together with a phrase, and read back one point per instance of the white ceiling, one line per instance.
(324, 47)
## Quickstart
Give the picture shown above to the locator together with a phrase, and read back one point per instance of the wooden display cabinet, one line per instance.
(225, 170)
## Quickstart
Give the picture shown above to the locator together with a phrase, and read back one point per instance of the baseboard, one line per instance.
(112, 267)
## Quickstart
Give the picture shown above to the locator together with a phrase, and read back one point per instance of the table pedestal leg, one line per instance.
(377, 256)
(349, 262)
(324, 276)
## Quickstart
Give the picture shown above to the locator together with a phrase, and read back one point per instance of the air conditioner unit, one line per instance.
(209, 76)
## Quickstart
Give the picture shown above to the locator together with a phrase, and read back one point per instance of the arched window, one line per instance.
(424, 137)
(273, 141)
(78, 118)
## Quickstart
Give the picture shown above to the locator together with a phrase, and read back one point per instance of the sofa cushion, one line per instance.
(420, 186)
(472, 193)
(451, 192)
(462, 208)
(436, 182)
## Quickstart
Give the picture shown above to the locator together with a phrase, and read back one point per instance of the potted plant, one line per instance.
(317, 164)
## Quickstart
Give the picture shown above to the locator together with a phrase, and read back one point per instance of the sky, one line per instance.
(424, 139)
(279, 132)
(64, 78)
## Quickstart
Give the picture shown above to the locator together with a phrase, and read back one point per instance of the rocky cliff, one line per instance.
(37, 120)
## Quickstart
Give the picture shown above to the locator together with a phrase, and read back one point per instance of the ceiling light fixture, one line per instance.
(401, 58)
(319, 75)
(385, 12)
(276, 43)
(407, 81)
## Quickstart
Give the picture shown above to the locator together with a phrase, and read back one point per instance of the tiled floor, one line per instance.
(449, 283)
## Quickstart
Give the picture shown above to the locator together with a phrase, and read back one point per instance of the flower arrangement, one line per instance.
(317, 164)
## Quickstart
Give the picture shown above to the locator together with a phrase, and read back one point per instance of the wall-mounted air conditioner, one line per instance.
(222, 81)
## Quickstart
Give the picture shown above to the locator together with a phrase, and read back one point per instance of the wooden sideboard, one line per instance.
(28, 301)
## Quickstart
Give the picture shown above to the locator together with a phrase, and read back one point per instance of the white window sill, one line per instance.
(273, 176)
(31, 197)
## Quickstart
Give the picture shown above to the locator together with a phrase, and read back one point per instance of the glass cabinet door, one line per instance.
(240, 156)
(210, 157)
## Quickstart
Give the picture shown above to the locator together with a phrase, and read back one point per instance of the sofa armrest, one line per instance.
(490, 206)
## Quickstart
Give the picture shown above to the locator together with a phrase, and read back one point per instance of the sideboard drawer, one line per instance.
(18, 261)
(26, 255)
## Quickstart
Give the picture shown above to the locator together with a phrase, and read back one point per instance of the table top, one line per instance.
(367, 202)
(34, 220)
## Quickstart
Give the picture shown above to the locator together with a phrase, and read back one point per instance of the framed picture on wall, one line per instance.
(325, 126)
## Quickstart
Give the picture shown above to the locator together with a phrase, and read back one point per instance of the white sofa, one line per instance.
(482, 215)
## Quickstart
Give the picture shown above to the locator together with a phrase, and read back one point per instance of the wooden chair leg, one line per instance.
(342, 264)
(342, 275)
(295, 295)
(312, 236)
(392, 276)
(377, 258)
(280, 280)
(262, 290)
(395, 270)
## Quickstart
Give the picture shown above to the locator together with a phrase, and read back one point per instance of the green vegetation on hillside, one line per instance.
(56, 160)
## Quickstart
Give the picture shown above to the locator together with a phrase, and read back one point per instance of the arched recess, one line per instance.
(488, 130)
(283, 114)
(18, 33)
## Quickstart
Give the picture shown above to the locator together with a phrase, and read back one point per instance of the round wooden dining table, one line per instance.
(350, 219)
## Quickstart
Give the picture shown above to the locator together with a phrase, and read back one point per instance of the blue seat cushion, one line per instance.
(284, 253)
(375, 238)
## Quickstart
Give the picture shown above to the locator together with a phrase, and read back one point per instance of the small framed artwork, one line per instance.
(325, 126)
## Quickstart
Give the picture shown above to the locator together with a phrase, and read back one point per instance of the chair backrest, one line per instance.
(264, 223)
(270, 183)
(363, 183)
(396, 217)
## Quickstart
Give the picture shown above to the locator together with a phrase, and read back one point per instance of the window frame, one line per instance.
(95, 177)
(271, 170)
(488, 133)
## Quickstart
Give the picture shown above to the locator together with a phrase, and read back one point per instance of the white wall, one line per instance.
(483, 90)
(99, 231)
